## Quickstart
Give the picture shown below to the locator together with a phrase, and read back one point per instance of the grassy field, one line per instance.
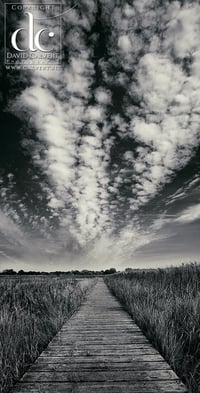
(165, 303)
(32, 310)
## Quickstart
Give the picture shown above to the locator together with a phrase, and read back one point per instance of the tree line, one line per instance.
(11, 272)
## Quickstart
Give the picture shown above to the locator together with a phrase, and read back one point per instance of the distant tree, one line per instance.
(9, 271)
(20, 272)
(112, 270)
(75, 272)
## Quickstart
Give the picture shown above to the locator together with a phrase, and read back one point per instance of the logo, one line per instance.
(33, 39)
(32, 35)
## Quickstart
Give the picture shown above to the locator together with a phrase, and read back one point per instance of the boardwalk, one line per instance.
(100, 350)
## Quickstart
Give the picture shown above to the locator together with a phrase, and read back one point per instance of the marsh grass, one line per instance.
(165, 303)
(32, 310)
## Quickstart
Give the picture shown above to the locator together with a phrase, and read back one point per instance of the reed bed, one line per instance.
(32, 310)
(165, 303)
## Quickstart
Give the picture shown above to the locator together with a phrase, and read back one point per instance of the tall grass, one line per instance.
(32, 310)
(165, 303)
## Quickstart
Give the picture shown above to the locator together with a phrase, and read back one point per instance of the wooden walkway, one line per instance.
(100, 349)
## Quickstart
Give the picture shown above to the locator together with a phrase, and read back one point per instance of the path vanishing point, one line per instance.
(101, 350)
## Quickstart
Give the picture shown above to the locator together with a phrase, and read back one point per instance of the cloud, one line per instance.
(74, 164)
(188, 215)
(11, 230)
(164, 122)
(124, 43)
(112, 127)
(119, 249)
(102, 96)
(182, 34)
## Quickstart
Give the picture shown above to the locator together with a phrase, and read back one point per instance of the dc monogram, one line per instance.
(34, 39)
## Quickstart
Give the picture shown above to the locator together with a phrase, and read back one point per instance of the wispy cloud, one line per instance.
(190, 214)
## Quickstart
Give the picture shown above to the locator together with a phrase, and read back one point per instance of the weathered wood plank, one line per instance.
(95, 351)
(99, 359)
(114, 387)
(98, 341)
(101, 325)
(102, 321)
(103, 331)
(99, 346)
(99, 334)
(99, 376)
(131, 366)
(123, 334)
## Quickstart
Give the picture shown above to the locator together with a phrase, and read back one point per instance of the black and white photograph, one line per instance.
(100, 196)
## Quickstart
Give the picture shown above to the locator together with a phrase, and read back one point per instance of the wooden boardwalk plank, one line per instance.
(100, 349)
(99, 359)
(95, 351)
(134, 366)
(114, 387)
(99, 376)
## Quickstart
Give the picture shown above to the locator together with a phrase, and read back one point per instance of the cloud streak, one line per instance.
(189, 215)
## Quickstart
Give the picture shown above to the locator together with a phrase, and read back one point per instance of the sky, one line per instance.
(99, 160)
